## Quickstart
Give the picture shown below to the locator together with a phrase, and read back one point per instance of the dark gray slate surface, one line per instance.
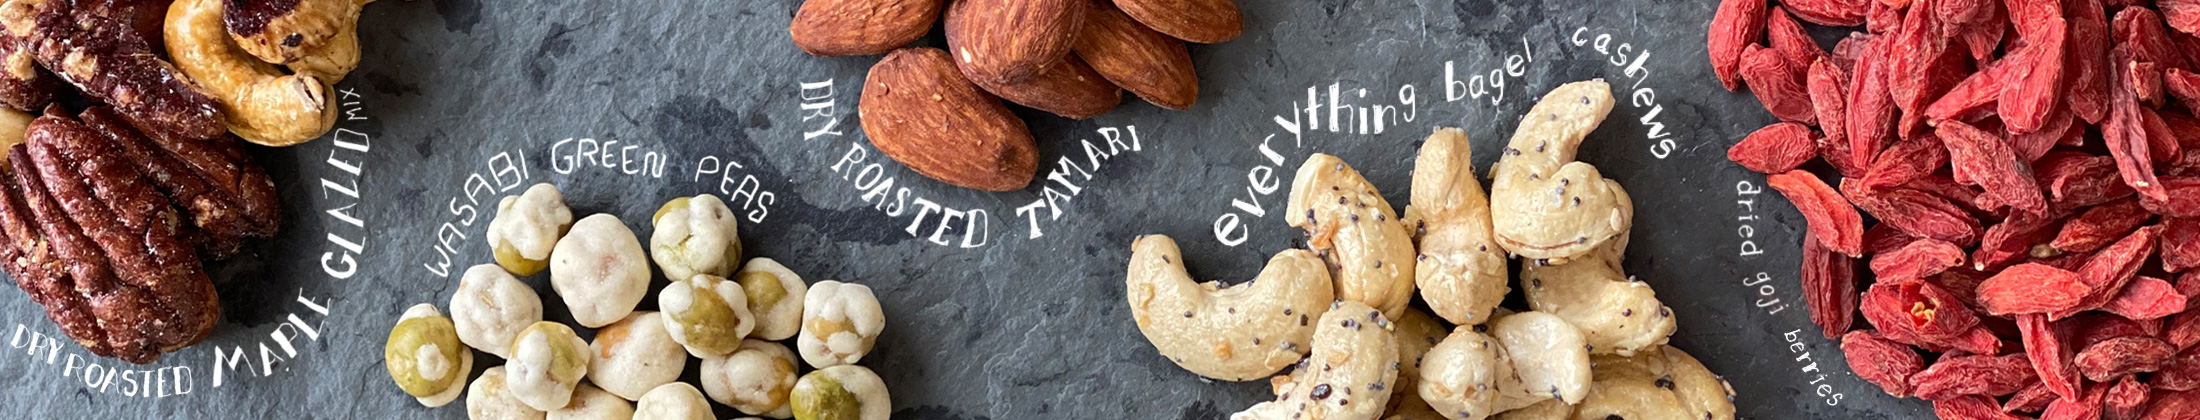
(1020, 328)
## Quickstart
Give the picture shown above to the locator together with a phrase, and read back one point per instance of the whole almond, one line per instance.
(1146, 62)
(1201, 21)
(1011, 41)
(1069, 88)
(832, 28)
(919, 110)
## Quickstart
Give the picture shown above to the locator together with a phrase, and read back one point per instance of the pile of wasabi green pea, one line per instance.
(731, 314)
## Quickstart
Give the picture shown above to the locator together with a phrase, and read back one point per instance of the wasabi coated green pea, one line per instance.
(775, 298)
(695, 235)
(706, 314)
(548, 361)
(424, 357)
(527, 227)
(845, 392)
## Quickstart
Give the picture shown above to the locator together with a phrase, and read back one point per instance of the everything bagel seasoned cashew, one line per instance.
(1550, 359)
(1369, 251)
(282, 31)
(1349, 376)
(1546, 410)
(1461, 270)
(262, 105)
(1417, 333)
(1615, 314)
(1543, 203)
(1236, 333)
(1660, 382)
(1460, 377)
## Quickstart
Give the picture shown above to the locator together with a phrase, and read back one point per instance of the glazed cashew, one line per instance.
(1660, 382)
(1462, 270)
(1460, 377)
(1369, 251)
(1616, 315)
(1550, 360)
(262, 105)
(1349, 376)
(331, 60)
(1545, 205)
(1235, 333)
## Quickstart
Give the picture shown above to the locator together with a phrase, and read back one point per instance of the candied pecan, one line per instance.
(108, 62)
(214, 212)
(39, 273)
(123, 311)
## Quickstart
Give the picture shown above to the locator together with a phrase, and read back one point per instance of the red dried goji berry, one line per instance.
(2127, 142)
(1923, 313)
(1778, 84)
(1836, 152)
(2180, 373)
(1844, 56)
(2108, 271)
(1871, 111)
(1828, 89)
(2180, 243)
(2087, 58)
(2034, 90)
(2140, 30)
(2182, 15)
(2180, 202)
(1973, 375)
(2060, 125)
(2096, 327)
(2146, 298)
(1983, 32)
(2120, 356)
(1776, 148)
(2145, 79)
(1918, 213)
(1881, 362)
(1829, 12)
(1738, 24)
(1788, 38)
(2078, 180)
(2124, 399)
(1942, 73)
(1883, 18)
(2072, 407)
(1885, 238)
(1909, 159)
(1916, 45)
(2012, 239)
(1968, 407)
(2100, 225)
(2183, 330)
(2179, 405)
(1984, 159)
(1964, 197)
(2184, 85)
(2030, 288)
(1831, 218)
(1917, 260)
(2046, 345)
(1829, 287)
(1962, 282)
(2032, 399)
(2162, 144)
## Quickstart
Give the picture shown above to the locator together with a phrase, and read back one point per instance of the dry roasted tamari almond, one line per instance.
(918, 109)
(1201, 21)
(1148, 63)
(1069, 88)
(832, 28)
(1011, 41)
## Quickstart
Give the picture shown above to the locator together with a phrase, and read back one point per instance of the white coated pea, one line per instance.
(592, 403)
(635, 355)
(840, 322)
(695, 235)
(527, 226)
(424, 357)
(548, 360)
(673, 401)
(845, 392)
(491, 307)
(706, 314)
(775, 298)
(755, 379)
(599, 269)
(489, 399)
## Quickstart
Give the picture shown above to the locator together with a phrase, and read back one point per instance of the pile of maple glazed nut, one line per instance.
(939, 112)
(2032, 173)
(107, 209)
(1592, 347)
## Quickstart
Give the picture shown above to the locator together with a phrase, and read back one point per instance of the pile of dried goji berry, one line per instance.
(2033, 167)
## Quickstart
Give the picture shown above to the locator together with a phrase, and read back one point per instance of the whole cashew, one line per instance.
(1545, 205)
(280, 32)
(1348, 377)
(1417, 332)
(331, 61)
(1462, 270)
(1660, 382)
(1369, 251)
(1235, 333)
(1546, 410)
(1462, 376)
(1549, 360)
(261, 104)
(1616, 315)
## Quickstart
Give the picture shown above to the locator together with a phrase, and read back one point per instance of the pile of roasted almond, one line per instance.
(940, 112)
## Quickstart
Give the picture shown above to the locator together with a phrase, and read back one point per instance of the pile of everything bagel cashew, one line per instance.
(1591, 347)
(730, 315)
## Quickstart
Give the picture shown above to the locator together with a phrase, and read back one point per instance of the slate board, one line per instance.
(1018, 329)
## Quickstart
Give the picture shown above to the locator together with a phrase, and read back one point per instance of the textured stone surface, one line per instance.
(1022, 328)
